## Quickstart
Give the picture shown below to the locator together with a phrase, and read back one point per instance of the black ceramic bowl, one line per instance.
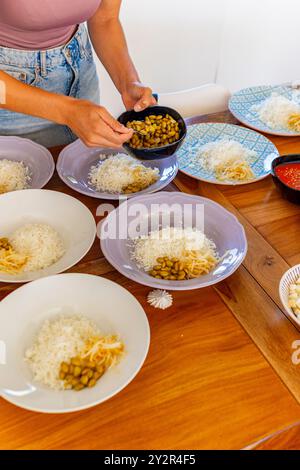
(159, 152)
(293, 195)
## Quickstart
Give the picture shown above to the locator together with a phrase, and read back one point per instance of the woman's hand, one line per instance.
(137, 96)
(95, 126)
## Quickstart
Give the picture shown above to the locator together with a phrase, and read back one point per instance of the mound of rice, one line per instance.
(13, 176)
(172, 242)
(117, 172)
(40, 243)
(276, 110)
(223, 153)
(58, 341)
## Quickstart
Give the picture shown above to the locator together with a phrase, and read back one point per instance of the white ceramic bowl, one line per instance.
(37, 158)
(219, 225)
(72, 220)
(287, 279)
(110, 306)
(75, 161)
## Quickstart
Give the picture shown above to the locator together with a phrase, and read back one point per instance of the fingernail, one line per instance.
(137, 107)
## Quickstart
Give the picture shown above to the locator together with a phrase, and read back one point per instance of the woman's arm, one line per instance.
(92, 123)
(110, 45)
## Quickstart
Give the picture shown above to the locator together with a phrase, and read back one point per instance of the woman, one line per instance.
(48, 81)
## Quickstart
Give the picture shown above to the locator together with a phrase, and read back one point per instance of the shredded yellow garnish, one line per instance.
(10, 261)
(294, 122)
(239, 171)
(198, 263)
(104, 350)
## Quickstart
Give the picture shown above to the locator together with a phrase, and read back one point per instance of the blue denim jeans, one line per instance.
(69, 70)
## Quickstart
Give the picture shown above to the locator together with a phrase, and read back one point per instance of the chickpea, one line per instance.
(79, 387)
(92, 383)
(76, 361)
(84, 379)
(77, 371)
(97, 375)
(74, 382)
(64, 367)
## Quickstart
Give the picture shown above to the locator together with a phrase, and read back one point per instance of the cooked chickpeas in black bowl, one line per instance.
(286, 175)
(159, 132)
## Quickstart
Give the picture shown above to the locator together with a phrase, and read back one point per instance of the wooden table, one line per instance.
(219, 373)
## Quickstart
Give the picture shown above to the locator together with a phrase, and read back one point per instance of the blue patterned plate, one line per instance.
(201, 134)
(241, 103)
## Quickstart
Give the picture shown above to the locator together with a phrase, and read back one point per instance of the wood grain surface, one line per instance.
(219, 373)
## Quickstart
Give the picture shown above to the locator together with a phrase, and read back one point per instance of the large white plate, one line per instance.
(72, 220)
(110, 306)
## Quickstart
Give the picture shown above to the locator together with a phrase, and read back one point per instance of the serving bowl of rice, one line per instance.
(42, 233)
(44, 322)
(110, 174)
(23, 164)
(146, 230)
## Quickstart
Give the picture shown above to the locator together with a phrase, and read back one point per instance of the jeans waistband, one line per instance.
(47, 58)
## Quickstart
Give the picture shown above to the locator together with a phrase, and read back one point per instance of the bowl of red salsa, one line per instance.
(286, 175)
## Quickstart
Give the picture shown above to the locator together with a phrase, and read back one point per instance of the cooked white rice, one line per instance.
(115, 172)
(276, 110)
(14, 176)
(172, 242)
(58, 341)
(40, 243)
(215, 156)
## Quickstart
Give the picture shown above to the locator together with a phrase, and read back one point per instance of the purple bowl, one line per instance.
(220, 226)
(36, 157)
(75, 161)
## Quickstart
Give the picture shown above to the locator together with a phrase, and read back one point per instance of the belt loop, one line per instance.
(43, 61)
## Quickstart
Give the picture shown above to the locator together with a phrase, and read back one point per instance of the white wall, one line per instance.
(177, 44)
(260, 43)
(174, 43)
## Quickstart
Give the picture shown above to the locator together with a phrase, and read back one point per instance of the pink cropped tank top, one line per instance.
(42, 24)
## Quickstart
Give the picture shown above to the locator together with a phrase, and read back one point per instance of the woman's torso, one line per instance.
(41, 24)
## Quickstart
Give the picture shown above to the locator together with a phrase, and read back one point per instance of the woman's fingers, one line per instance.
(95, 126)
(101, 134)
(145, 101)
(114, 137)
(112, 122)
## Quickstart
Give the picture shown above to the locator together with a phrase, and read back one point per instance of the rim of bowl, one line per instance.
(283, 301)
(275, 164)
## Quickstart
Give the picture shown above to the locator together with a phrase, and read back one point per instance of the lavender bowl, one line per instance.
(75, 161)
(147, 211)
(37, 158)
